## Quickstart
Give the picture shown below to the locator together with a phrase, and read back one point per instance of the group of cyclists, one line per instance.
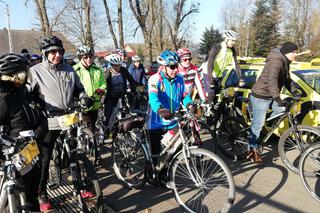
(30, 84)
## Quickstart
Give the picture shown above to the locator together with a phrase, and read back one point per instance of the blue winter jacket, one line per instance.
(165, 93)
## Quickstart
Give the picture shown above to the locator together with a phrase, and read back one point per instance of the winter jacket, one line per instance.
(92, 78)
(168, 94)
(219, 58)
(274, 76)
(17, 114)
(125, 75)
(57, 85)
(192, 79)
(138, 74)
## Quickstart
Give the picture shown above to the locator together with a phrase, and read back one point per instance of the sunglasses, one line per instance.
(186, 59)
(88, 56)
(173, 67)
(56, 51)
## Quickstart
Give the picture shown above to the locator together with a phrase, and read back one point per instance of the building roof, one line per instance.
(29, 39)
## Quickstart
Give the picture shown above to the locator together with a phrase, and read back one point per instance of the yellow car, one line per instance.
(306, 77)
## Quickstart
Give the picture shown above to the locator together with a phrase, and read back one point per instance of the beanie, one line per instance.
(288, 47)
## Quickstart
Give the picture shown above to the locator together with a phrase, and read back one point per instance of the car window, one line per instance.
(311, 77)
(249, 76)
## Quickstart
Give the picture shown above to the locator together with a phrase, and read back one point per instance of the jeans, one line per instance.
(259, 110)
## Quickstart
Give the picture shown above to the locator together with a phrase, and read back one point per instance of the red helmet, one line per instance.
(184, 53)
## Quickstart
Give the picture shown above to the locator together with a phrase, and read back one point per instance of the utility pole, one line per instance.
(8, 24)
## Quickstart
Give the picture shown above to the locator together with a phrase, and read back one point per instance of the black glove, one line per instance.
(165, 113)
(280, 102)
(86, 101)
(191, 108)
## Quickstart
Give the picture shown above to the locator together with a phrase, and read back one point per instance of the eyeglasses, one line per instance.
(173, 67)
(186, 59)
(56, 51)
(88, 56)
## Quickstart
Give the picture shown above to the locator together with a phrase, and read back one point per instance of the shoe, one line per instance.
(169, 185)
(44, 203)
(86, 194)
(254, 156)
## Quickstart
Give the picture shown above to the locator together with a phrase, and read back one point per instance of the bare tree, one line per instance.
(88, 32)
(114, 38)
(120, 24)
(176, 31)
(42, 13)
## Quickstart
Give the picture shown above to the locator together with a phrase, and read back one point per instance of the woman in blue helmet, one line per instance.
(166, 91)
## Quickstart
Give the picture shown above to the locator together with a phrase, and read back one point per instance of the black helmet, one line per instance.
(11, 63)
(50, 41)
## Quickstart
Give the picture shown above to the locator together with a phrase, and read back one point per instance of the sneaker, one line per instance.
(44, 203)
(169, 185)
(86, 194)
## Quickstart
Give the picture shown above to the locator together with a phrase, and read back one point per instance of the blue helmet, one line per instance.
(167, 58)
(35, 57)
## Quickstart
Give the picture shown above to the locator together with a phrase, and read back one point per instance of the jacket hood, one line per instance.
(276, 54)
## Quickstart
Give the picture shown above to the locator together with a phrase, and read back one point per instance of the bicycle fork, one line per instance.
(8, 192)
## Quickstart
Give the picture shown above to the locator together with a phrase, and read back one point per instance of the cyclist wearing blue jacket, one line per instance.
(166, 91)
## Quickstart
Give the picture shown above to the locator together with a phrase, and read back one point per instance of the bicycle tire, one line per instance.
(309, 169)
(289, 151)
(207, 136)
(231, 135)
(88, 181)
(215, 191)
(91, 146)
(129, 161)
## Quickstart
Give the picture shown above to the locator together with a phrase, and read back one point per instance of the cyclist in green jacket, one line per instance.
(92, 78)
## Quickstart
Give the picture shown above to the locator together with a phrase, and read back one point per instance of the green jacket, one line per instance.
(92, 79)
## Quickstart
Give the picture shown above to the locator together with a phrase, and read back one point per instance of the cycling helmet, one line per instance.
(12, 63)
(136, 58)
(50, 43)
(67, 56)
(121, 52)
(167, 58)
(84, 50)
(114, 59)
(35, 57)
(229, 34)
(184, 53)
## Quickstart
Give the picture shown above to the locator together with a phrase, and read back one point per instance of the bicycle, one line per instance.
(69, 160)
(199, 179)
(291, 143)
(20, 156)
(309, 169)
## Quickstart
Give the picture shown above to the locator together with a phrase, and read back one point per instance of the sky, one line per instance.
(22, 17)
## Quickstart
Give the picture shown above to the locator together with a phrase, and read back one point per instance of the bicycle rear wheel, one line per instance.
(129, 161)
(87, 183)
(290, 149)
(231, 135)
(214, 188)
(309, 168)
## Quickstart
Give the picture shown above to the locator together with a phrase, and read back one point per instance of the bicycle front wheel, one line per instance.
(231, 134)
(309, 168)
(129, 161)
(212, 189)
(290, 148)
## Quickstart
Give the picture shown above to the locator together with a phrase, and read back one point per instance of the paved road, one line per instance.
(267, 187)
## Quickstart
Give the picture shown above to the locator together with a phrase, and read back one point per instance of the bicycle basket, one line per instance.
(130, 123)
(67, 120)
(25, 160)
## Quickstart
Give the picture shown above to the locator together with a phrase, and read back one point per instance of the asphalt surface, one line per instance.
(266, 187)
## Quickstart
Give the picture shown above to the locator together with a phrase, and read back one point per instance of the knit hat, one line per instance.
(288, 47)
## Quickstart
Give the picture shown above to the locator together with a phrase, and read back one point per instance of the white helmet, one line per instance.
(136, 58)
(68, 56)
(229, 34)
(113, 59)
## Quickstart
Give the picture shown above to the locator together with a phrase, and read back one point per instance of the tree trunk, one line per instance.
(114, 38)
(44, 21)
(120, 24)
(88, 32)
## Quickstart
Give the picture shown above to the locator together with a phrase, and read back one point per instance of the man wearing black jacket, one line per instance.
(267, 89)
